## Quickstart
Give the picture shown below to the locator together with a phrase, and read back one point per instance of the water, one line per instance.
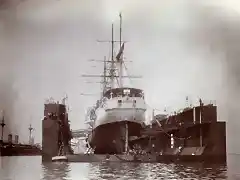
(24, 168)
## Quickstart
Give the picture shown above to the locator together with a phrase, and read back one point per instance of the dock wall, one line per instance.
(56, 132)
(193, 135)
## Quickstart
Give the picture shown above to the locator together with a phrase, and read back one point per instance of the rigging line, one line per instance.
(116, 77)
(109, 58)
(115, 67)
(170, 134)
(131, 81)
(117, 82)
(153, 108)
(179, 138)
(175, 137)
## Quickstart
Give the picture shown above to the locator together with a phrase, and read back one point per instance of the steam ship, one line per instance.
(120, 112)
(10, 148)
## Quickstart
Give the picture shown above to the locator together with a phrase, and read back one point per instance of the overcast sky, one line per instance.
(180, 48)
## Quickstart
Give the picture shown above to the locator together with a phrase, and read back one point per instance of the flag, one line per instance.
(119, 55)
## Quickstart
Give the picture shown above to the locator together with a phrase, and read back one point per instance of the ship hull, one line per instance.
(119, 115)
(110, 138)
(19, 150)
(118, 119)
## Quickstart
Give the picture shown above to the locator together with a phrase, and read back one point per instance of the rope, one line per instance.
(131, 81)
(153, 108)
(175, 137)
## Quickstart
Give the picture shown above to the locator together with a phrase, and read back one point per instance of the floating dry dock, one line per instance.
(105, 158)
(196, 133)
(191, 135)
(148, 158)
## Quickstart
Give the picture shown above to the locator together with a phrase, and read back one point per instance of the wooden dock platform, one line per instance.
(147, 158)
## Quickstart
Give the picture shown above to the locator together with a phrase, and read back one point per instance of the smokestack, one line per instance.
(16, 139)
(10, 138)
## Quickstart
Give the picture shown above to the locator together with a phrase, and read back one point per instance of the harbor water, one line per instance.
(22, 168)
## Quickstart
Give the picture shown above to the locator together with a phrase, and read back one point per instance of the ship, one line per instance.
(10, 148)
(119, 115)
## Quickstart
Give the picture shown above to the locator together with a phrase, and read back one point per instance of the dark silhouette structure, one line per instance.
(56, 133)
(2, 125)
(191, 135)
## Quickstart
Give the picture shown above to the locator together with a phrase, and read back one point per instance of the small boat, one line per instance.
(59, 159)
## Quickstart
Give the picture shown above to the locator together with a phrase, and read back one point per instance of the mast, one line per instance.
(200, 121)
(120, 60)
(30, 134)
(120, 39)
(112, 61)
(110, 75)
(104, 76)
(2, 125)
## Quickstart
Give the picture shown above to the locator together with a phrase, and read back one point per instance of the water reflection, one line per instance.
(110, 170)
(200, 171)
(99, 171)
(59, 171)
(157, 171)
(22, 168)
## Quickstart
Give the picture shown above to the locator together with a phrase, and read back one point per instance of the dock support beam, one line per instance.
(126, 137)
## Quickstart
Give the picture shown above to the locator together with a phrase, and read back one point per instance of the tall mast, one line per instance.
(120, 39)
(112, 59)
(2, 125)
(111, 75)
(30, 134)
(104, 75)
(121, 58)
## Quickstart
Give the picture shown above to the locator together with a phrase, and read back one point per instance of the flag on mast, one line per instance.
(120, 53)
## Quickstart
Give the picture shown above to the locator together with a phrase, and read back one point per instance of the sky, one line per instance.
(183, 48)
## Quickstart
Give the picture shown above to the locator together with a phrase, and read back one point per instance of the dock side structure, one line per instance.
(191, 135)
(56, 133)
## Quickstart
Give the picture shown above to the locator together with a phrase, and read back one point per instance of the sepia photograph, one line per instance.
(119, 89)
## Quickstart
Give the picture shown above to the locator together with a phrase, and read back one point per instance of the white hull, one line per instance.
(110, 130)
(119, 115)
